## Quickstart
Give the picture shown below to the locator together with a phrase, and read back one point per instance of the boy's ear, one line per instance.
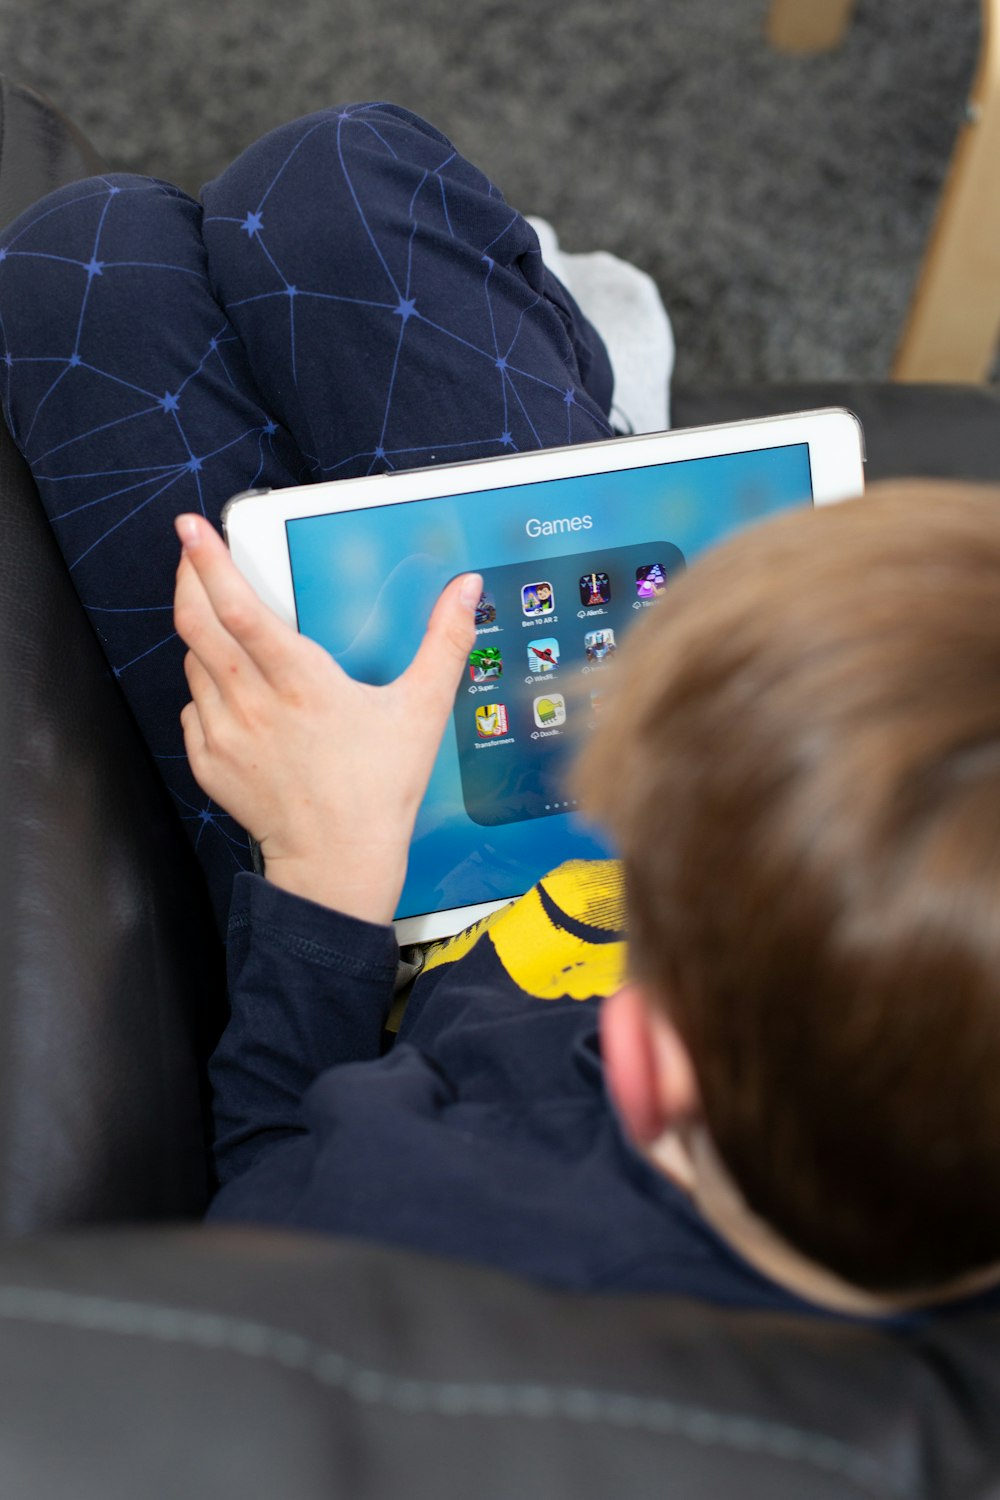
(646, 1065)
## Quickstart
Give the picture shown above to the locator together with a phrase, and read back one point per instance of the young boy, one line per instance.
(788, 1097)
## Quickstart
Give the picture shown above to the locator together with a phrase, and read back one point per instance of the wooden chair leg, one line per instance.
(807, 25)
(954, 319)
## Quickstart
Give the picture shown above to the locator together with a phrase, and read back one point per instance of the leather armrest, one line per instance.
(110, 977)
(235, 1364)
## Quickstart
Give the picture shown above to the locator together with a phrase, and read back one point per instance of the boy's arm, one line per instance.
(327, 774)
(309, 988)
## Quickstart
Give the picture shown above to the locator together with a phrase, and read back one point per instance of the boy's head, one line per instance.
(801, 767)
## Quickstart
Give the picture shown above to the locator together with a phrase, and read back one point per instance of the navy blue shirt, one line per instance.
(485, 1133)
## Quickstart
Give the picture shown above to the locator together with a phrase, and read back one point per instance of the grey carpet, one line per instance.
(782, 204)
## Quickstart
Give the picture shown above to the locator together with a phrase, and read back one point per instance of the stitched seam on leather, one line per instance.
(415, 1396)
(317, 953)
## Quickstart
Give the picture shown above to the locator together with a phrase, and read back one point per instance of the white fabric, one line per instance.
(625, 307)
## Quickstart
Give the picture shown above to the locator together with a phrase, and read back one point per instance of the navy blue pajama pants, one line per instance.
(350, 296)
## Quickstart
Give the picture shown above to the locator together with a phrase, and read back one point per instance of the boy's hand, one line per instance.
(325, 772)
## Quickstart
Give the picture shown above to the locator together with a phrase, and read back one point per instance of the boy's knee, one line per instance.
(73, 266)
(79, 219)
(54, 254)
(312, 199)
(372, 138)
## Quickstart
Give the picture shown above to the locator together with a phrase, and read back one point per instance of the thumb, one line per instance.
(435, 671)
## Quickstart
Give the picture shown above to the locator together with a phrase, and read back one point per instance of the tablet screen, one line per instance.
(568, 566)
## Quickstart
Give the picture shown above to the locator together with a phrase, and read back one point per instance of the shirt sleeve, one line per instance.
(308, 988)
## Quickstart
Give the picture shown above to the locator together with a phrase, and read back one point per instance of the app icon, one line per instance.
(599, 644)
(550, 711)
(537, 599)
(486, 609)
(491, 720)
(485, 664)
(543, 654)
(650, 580)
(595, 588)
(596, 702)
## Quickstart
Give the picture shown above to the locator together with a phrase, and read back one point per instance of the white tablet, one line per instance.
(574, 544)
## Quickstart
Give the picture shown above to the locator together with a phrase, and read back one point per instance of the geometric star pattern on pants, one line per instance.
(351, 296)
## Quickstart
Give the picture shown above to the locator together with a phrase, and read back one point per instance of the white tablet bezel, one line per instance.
(254, 522)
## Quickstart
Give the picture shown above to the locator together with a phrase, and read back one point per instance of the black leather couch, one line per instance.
(143, 1355)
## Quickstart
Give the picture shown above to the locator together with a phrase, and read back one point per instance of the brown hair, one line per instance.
(800, 763)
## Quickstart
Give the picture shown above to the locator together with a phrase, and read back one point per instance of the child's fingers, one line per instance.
(200, 682)
(440, 661)
(193, 731)
(221, 657)
(265, 639)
